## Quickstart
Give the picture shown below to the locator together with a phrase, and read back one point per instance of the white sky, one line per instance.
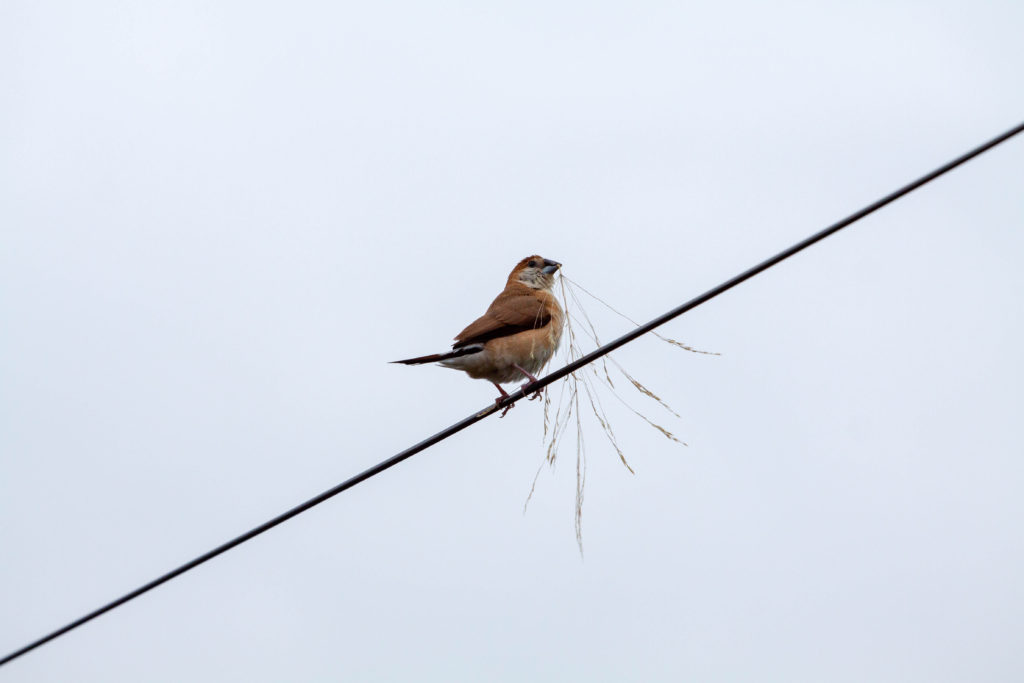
(221, 220)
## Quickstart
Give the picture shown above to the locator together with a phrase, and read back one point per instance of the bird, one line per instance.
(517, 335)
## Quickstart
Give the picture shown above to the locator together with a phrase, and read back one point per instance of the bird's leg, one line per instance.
(533, 380)
(501, 398)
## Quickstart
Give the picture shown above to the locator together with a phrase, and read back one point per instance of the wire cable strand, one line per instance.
(520, 393)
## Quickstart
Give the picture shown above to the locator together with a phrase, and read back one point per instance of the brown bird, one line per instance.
(517, 335)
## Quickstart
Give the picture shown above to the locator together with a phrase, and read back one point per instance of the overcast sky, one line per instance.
(219, 221)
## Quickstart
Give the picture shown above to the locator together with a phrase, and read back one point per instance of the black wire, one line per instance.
(519, 394)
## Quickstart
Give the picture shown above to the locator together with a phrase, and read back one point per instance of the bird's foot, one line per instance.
(526, 387)
(539, 393)
(501, 398)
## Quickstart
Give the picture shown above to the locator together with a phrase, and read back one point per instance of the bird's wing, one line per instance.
(512, 312)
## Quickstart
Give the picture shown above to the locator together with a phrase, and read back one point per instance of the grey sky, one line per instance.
(220, 221)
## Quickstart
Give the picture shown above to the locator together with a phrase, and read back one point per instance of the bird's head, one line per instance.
(535, 271)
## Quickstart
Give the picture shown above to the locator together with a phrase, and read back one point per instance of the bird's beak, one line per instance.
(550, 266)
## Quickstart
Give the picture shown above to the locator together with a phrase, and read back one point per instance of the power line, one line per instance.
(519, 394)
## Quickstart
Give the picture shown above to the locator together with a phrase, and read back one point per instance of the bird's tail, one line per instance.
(435, 357)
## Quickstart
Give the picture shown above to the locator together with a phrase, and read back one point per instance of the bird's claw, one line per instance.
(507, 408)
(536, 394)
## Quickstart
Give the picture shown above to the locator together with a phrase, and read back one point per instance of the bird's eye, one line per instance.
(532, 264)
